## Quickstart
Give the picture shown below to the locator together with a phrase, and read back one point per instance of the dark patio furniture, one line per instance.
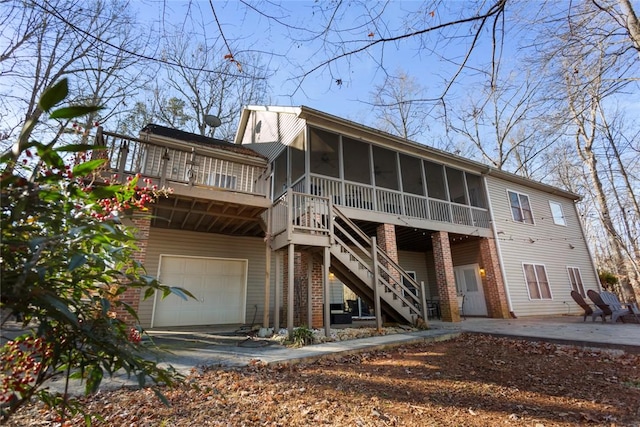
(588, 310)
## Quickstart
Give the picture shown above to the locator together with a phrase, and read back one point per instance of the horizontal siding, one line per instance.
(416, 261)
(273, 127)
(541, 243)
(188, 243)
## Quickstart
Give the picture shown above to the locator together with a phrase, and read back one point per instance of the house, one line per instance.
(266, 230)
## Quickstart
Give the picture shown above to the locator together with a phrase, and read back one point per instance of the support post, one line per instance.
(327, 292)
(291, 274)
(423, 301)
(309, 290)
(376, 280)
(267, 273)
(276, 308)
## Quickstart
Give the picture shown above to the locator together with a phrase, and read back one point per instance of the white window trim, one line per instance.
(562, 217)
(526, 283)
(584, 293)
(533, 221)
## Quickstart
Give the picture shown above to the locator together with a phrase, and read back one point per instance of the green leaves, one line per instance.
(73, 112)
(54, 95)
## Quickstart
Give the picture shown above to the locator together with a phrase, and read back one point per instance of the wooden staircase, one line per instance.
(314, 221)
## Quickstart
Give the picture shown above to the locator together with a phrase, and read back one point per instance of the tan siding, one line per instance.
(551, 247)
(416, 261)
(187, 243)
(274, 127)
(465, 253)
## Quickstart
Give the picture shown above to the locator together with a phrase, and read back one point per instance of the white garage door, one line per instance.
(219, 286)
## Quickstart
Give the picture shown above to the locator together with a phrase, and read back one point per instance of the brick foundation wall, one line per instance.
(142, 222)
(445, 279)
(492, 282)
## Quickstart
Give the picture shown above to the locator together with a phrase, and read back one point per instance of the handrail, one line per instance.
(388, 280)
(180, 163)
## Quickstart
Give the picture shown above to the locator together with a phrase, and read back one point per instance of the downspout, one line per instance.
(497, 240)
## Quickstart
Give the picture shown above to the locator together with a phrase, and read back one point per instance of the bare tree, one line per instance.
(90, 42)
(503, 124)
(208, 84)
(395, 110)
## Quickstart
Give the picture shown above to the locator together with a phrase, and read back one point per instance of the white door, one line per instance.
(219, 286)
(468, 283)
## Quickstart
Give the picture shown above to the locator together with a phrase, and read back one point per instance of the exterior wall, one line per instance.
(554, 246)
(188, 243)
(415, 261)
(273, 127)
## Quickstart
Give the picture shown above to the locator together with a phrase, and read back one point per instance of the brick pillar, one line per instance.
(492, 282)
(317, 293)
(142, 222)
(386, 235)
(300, 284)
(445, 279)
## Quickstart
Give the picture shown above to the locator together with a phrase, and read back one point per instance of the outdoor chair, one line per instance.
(609, 309)
(588, 310)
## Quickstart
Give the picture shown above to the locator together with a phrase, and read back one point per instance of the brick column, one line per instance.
(386, 235)
(445, 279)
(317, 293)
(142, 222)
(492, 282)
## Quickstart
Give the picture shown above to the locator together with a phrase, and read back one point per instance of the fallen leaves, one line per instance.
(473, 380)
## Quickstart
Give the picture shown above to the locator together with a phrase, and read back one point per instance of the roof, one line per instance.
(197, 139)
(317, 116)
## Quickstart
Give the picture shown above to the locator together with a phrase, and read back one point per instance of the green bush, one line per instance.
(66, 259)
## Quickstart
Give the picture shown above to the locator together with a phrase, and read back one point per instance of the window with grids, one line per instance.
(537, 281)
(576, 280)
(520, 207)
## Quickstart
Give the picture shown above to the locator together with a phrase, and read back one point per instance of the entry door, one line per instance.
(468, 282)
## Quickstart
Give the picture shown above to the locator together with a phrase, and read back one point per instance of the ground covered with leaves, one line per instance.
(473, 380)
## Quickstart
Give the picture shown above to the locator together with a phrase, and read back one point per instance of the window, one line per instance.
(222, 180)
(408, 285)
(520, 207)
(537, 282)
(557, 213)
(576, 280)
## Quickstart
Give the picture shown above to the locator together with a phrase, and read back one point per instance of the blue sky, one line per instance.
(358, 74)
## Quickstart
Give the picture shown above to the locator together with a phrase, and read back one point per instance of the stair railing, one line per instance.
(413, 299)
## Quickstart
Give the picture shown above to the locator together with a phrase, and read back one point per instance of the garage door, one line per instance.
(218, 284)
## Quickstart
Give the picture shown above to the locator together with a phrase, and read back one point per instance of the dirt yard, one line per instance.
(472, 380)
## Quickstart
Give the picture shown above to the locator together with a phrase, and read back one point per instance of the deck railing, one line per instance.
(367, 197)
(195, 166)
